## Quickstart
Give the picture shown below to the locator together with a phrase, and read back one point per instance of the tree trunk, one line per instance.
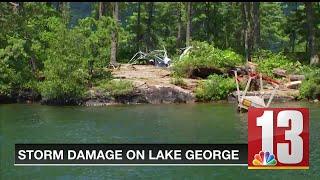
(139, 27)
(114, 34)
(293, 34)
(63, 8)
(179, 25)
(292, 38)
(256, 24)
(149, 26)
(245, 24)
(215, 32)
(188, 30)
(101, 9)
(312, 54)
(60, 6)
(227, 27)
(90, 72)
(248, 40)
(207, 20)
(33, 64)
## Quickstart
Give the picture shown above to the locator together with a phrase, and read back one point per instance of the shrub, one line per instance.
(14, 71)
(100, 74)
(72, 53)
(7, 77)
(267, 61)
(178, 81)
(65, 69)
(204, 55)
(215, 88)
(117, 87)
(310, 87)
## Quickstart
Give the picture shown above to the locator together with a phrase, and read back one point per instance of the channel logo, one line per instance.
(264, 159)
(278, 138)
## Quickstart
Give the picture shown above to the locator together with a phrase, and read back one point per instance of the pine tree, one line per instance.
(114, 34)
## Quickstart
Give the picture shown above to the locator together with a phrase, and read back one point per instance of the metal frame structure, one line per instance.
(245, 102)
(158, 57)
(185, 51)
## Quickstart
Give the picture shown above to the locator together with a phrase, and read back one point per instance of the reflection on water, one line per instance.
(187, 123)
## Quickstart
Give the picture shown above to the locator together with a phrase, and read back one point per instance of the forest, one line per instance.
(52, 51)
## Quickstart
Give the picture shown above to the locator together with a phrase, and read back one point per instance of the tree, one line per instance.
(139, 29)
(66, 62)
(251, 24)
(293, 25)
(114, 34)
(102, 9)
(179, 32)
(246, 13)
(311, 51)
(149, 40)
(64, 8)
(273, 21)
(256, 24)
(188, 29)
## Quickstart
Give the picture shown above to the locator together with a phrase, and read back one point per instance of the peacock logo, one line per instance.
(264, 159)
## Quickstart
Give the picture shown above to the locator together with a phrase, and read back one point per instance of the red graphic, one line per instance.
(278, 138)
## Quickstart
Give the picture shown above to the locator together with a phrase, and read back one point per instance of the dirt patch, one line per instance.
(148, 75)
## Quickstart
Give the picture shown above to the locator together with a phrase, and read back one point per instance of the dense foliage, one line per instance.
(15, 73)
(204, 55)
(268, 61)
(310, 88)
(215, 88)
(44, 48)
(72, 54)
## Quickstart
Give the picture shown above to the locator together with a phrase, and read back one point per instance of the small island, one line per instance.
(63, 53)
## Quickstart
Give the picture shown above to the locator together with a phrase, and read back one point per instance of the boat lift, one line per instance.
(245, 101)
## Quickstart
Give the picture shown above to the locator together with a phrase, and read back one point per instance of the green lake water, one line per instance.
(183, 123)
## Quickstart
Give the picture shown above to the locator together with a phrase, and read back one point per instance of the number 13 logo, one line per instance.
(278, 138)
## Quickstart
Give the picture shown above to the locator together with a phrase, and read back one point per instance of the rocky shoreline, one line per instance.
(143, 95)
(152, 85)
(155, 94)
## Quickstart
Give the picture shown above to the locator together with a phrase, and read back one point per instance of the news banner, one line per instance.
(278, 138)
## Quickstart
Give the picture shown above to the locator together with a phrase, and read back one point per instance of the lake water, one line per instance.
(183, 123)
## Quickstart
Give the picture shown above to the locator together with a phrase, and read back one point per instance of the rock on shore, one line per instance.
(155, 94)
